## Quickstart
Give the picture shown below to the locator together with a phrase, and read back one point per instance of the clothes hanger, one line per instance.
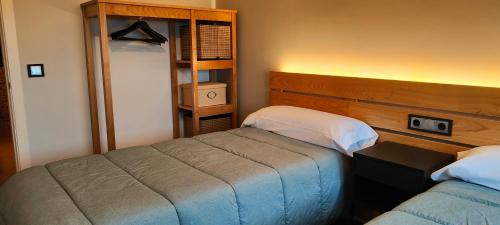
(155, 37)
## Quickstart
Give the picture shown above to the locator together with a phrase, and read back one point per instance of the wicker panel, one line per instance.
(185, 43)
(214, 42)
(207, 124)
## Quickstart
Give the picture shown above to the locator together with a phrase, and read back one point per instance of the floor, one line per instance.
(7, 158)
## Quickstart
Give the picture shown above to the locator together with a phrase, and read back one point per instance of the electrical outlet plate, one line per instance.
(430, 124)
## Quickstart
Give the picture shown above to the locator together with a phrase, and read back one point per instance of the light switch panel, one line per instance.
(35, 70)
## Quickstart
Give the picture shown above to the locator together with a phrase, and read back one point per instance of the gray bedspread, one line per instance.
(449, 203)
(243, 176)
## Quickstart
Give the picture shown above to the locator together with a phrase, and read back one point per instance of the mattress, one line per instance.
(243, 176)
(449, 203)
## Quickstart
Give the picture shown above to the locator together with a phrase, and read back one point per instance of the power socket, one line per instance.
(430, 124)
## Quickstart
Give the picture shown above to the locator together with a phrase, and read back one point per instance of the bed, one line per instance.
(386, 106)
(450, 202)
(242, 176)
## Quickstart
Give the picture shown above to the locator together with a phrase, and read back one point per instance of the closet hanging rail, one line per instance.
(155, 37)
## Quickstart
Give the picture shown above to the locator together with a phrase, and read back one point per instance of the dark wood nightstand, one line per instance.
(388, 174)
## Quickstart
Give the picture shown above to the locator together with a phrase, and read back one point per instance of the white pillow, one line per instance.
(479, 165)
(344, 134)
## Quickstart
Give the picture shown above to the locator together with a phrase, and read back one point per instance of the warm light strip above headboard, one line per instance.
(385, 104)
(439, 75)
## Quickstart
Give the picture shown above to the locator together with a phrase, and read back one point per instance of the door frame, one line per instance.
(12, 67)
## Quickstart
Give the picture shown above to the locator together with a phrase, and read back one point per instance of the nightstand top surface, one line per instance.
(409, 156)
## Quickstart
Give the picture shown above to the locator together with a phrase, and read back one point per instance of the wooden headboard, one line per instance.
(386, 104)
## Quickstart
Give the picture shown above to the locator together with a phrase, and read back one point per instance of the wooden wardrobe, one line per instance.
(175, 15)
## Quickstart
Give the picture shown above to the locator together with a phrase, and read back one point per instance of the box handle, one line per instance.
(211, 95)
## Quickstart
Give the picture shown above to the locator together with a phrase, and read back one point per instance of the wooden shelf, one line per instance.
(229, 77)
(215, 110)
(183, 63)
(210, 110)
(215, 64)
(151, 10)
(186, 107)
(207, 64)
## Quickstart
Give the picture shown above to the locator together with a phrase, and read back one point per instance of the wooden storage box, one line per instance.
(209, 93)
(207, 124)
(214, 42)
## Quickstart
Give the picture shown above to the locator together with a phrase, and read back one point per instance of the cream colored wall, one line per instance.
(443, 41)
(57, 112)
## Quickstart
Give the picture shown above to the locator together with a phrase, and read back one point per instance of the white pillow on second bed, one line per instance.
(344, 134)
(479, 166)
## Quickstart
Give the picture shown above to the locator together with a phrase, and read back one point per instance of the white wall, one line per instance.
(57, 112)
(141, 88)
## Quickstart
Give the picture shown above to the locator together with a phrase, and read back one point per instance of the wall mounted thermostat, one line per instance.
(36, 70)
(430, 124)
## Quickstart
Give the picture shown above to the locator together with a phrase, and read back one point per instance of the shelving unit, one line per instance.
(102, 9)
(197, 65)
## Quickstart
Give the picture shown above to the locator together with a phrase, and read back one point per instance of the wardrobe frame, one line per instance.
(102, 9)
